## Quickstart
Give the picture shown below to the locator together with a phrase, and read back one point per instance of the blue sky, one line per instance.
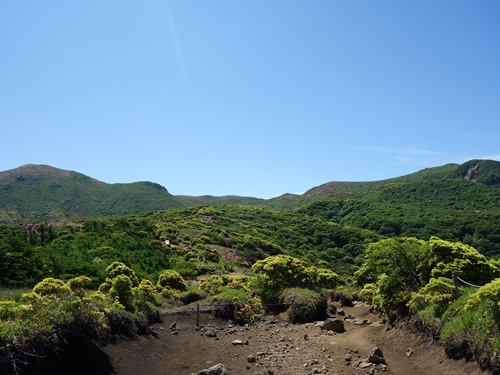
(253, 98)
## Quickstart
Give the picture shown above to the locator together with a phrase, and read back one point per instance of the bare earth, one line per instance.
(275, 347)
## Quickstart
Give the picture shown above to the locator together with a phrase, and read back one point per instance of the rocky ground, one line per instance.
(274, 346)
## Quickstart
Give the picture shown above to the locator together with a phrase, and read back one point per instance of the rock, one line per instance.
(173, 326)
(335, 325)
(174, 332)
(376, 356)
(237, 342)
(211, 333)
(409, 352)
(218, 369)
(251, 359)
(365, 365)
(348, 358)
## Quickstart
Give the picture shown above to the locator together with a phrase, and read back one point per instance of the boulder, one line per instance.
(335, 325)
(376, 356)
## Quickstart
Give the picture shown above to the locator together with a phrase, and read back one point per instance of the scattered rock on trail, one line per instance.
(218, 369)
(376, 356)
(335, 325)
(211, 333)
(409, 352)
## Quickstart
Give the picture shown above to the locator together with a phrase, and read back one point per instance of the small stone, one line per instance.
(251, 359)
(237, 342)
(409, 352)
(348, 358)
(173, 326)
(211, 333)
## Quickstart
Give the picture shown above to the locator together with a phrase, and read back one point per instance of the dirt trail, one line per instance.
(277, 347)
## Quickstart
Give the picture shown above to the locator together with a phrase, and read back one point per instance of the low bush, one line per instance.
(171, 279)
(308, 305)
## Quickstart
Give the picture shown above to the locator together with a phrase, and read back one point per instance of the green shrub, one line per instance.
(172, 279)
(472, 323)
(274, 274)
(367, 294)
(52, 287)
(308, 305)
(119, 268)
(7, 310)
(191, 296)
(437, 295)
(212, 284)
(121, 290)
(78, 284)
(447, 257)
(328, 279)
(248, 306)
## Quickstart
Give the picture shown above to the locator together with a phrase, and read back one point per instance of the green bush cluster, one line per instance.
(409, 276)
(305, 305)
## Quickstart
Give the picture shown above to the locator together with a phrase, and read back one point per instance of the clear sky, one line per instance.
(255, 98)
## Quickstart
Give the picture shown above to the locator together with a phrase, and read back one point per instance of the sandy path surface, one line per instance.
(276, 347)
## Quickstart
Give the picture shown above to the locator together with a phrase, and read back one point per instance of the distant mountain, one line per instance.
(485, 173)
(40, 192)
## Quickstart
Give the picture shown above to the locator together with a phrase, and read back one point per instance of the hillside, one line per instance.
(40, 192)
(454, 202)
(483, 172)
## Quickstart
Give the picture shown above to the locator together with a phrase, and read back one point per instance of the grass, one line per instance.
(467, 331)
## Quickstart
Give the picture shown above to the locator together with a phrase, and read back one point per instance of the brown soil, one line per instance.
(281, 348)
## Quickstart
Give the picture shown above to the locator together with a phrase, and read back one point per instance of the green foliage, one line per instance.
(47, 192)
(119, 269)
(212, 284)
(328, 279)
(368, 293)
(171, 279)
(490, 295)
(239, 282)
(474, 321)
(274, 274)
(394, 266)
(78, 284)
(52, 287)
(307, 304)
(437, 295)
(447, 257)
(397, 257)
(121, 291)
(249, 306)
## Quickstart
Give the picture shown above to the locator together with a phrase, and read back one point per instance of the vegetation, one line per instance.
(394, 243)
(409, 277)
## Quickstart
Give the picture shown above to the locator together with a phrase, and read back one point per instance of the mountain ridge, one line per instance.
(37, 192)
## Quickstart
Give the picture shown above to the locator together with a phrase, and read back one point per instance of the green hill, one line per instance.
(454, 202)
(40, 192)
(483, 172)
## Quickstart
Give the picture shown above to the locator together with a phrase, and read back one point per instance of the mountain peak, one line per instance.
(37, 171)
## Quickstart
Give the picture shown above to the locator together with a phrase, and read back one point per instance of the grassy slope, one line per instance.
(38, 192)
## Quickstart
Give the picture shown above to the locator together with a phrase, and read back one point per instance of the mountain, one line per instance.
(477, 173)
(40, 192)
